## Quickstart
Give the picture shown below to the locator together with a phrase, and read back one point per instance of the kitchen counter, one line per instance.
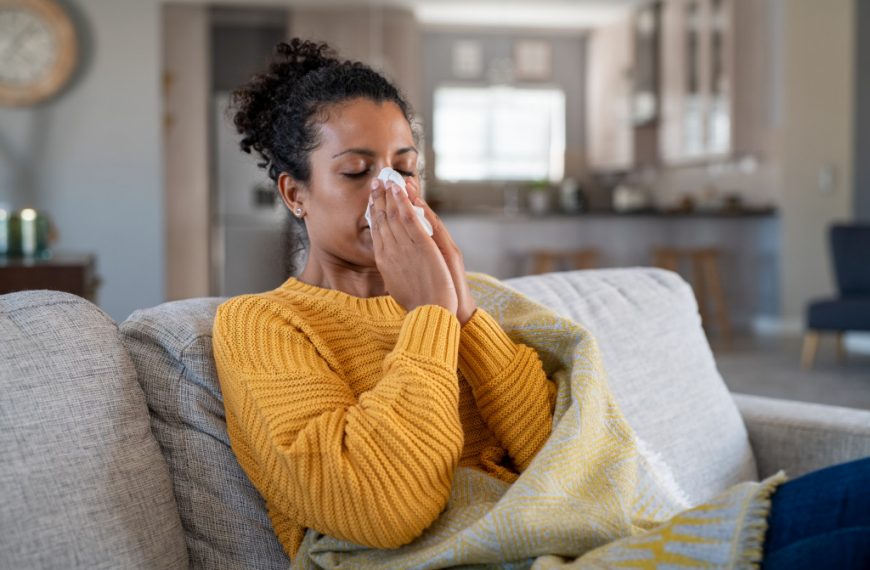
(501, 245)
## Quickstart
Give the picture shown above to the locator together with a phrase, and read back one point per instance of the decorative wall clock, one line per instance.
(38, 50)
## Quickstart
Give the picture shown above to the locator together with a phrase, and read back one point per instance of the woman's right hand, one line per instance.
(409, 261)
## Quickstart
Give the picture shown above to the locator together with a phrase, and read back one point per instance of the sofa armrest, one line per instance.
(800, 437)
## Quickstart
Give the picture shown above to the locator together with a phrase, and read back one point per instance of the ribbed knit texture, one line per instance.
(350, 415)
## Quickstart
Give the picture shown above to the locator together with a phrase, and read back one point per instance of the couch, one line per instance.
(115, 453)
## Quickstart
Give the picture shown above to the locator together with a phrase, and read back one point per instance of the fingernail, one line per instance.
(374, 183)
(395, 189)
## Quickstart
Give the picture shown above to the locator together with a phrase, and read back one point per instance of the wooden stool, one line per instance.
(548, 260)
(706, 281)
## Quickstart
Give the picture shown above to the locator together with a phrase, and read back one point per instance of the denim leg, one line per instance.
(821, 520)
(847, 549)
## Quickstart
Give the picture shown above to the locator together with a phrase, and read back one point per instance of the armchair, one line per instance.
(850, 309)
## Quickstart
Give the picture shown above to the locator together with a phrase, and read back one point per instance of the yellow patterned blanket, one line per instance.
(590, 498)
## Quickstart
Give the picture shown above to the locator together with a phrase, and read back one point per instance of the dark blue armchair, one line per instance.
(850, 310)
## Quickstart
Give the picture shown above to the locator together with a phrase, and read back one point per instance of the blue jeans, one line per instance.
(821, 520)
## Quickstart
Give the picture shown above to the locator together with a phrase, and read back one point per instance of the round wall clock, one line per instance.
(37, 50)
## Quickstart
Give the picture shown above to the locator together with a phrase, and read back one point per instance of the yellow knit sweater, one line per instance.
(350, 415)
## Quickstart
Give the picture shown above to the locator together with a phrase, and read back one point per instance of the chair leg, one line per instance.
(841, 349)
(713, 282)
(584, 259)
(543, 262)
(811, 346)
(666, 259)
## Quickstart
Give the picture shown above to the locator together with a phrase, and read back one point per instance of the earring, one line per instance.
(298, 212)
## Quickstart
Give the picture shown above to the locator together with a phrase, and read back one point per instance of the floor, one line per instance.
(770, 366)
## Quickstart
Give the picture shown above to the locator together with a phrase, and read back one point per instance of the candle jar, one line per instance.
(28, 234)
(4, 231)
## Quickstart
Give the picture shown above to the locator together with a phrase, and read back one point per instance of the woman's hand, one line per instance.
(450, 251)
(414, 271)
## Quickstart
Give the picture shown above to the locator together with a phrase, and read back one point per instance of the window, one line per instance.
(499, 133)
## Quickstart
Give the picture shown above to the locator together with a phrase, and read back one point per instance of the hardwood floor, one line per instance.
(770, 366)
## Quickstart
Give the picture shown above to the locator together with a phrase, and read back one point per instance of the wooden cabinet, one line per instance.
(714, 79)
(696, 79)
(707, 96)
(71, 273)
(623, 92)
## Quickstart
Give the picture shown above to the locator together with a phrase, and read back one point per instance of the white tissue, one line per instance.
(388, 174)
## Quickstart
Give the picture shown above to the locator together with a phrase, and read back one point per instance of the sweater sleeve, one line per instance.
(375, 470)
(513, 394)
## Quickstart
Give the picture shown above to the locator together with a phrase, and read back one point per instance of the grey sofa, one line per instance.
(115, 453)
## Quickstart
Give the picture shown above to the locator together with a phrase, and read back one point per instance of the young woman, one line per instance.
(355, 390)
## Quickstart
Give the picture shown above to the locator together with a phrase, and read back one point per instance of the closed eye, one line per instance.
(356, 175)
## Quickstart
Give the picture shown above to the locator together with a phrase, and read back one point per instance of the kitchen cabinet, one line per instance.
(680, 82)
(623, 92)
(715, 79)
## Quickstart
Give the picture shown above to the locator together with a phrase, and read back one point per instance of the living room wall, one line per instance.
(91, 157)
(817, 132)
(862, 112)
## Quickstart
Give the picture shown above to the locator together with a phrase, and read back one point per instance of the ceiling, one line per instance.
(550, 14)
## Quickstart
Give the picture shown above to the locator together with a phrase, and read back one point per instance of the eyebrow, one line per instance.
(369, 152)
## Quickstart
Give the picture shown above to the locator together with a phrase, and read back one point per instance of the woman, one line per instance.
(376, 375)
(355, 390)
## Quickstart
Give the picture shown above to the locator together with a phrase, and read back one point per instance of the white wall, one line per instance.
(862, 113)
(91, 158)
(817, 130)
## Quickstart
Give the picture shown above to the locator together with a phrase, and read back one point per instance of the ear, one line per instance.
(293, 193)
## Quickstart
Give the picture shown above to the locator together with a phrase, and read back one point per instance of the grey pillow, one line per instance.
(224, 517)
(82, 480)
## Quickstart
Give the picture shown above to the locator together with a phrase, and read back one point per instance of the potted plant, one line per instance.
(539, 197)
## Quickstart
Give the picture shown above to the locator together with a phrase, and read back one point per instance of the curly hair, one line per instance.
(278, 113)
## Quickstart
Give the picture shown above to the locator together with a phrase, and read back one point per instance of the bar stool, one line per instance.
(548, 260)
(706, 282)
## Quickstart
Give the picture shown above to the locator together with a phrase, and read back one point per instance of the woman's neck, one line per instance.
(363, 282)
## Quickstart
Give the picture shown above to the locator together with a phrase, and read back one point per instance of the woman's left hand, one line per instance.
(451, 252)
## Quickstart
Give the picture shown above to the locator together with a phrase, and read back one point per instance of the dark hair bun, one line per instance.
(264, 97)
(304, 55)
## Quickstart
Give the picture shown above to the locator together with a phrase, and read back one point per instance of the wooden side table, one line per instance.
(73, 273)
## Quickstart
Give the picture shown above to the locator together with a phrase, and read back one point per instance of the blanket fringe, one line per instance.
(751, 544)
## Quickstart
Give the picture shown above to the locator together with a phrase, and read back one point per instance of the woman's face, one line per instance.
(358, 139)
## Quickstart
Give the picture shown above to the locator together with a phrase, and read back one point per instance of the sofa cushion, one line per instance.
(660, 368)
(224, 517)
(82, 480)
